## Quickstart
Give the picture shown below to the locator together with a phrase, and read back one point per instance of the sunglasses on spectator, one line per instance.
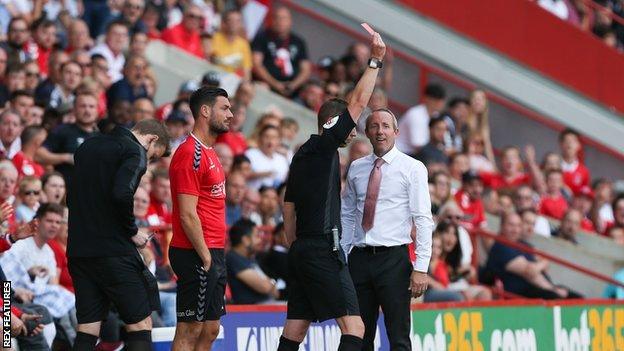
(31, 192)
(455, 217)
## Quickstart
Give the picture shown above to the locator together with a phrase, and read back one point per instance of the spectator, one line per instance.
(553, 203)
(529, 221)
(520, 272)
(112, 48)
(234, 138)
(34, 116)
(10, 129)
(615, 292)
(63, 93)
(378, 100)
(53, 188)
(280, 57)
(16, 78)
(524, 199)
(311, 95)
(268, 208)
(438, 275)
(245, 93)
(468, 199)
(275, 262)
(59, 246)
(617, 234)
(455, 117)
(21, 101)
(575, 174)
(32, 138)
(249, 285)
(452, 214)
(78, 36)
(33, 75)
(435, 150)
(583, 203)
(186, 35)
(44, 35)
(35, 318)
(475, 150)
(249, 206)
(415, 121)
(44, 89)
(230, 50)
(242, 164)
(132, 86)
(131, 14)
(358, 149)
(512, 174)
(225, 156)
(29, 195)
(62, 142)
(138, 44)
(570, 225)
(142, 109)
(459, 272)
(602, 212)
(18, 36)
(235, 189)
(288, 130)
(268, 166)
(458, 165)
(440, 191)
(177, 124)
(184, 93)
(478, 120)
(141, 205)
(159, 212)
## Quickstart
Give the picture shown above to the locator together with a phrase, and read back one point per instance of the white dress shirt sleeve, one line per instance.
(348, 214)
(420, 210)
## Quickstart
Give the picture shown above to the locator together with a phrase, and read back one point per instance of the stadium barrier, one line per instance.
(499, 325)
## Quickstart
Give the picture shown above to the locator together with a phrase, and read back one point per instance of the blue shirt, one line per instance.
(615, 292)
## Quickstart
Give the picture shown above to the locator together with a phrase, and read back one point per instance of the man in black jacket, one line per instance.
(102, 245)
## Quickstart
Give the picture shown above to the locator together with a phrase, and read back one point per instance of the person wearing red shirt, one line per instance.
(44, 36)
(553, 203)
(158, 212)
(584, 202)
(511, 175)
(468, 199)
(199, 227)
(32, 138)
(575, 174)
(235, 139)
(187, 35)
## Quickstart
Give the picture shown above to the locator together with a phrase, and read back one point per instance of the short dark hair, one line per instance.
(50, 208)
(569, 131)
(205, 96)
(154, 127)
(20, 92)
(435, 91)
(42, 22)
(29, 133)
(267, 128)
(70, 62)
(435, 121)
(331, 108)
(242, 227)
(266, 188)
(46, 177)
(97, 57)
(117, 22)
(458, 100)
(240, 159)
(617, 199)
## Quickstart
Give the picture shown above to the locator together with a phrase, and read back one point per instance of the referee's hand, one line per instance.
(378, 47)
(418, 283)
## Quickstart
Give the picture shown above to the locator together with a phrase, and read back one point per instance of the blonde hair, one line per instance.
(28, 180)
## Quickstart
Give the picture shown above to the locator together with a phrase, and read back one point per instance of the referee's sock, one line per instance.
(287, 345)
(84, 342)
(139, 340)
(350, 343)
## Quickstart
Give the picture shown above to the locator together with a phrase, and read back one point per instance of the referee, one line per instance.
(104, 263)
(320, 287)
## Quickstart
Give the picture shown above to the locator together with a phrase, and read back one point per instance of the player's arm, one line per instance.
(364, 88)
(192, 227)
(290, 221)
(126, 180)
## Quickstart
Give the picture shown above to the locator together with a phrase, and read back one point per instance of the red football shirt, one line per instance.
(497, 181)
(553, 206)
(160, 210)
(576, 178)
(195, 170)
(26, 167)
(186, 40)
(474, 213)
(235, 140)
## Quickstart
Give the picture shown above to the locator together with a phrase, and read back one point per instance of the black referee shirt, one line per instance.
(107, 172)
(314, 178)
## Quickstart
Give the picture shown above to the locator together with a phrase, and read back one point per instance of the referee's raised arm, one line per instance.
(364, 88)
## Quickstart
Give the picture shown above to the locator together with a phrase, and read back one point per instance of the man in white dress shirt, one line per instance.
(387, 193)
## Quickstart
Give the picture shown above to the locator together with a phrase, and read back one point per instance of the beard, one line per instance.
(218, 128)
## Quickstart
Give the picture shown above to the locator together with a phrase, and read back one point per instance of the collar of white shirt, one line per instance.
(388, 157)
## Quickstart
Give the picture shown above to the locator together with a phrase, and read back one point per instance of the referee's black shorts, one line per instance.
(123, 281)
(200, 294)
(319, 287)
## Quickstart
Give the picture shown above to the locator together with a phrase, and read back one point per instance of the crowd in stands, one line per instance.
(595, 16)
(70, 70)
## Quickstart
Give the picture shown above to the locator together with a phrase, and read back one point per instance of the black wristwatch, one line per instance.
(374, 63)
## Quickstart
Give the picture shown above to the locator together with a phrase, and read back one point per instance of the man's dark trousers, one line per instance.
(382, 279)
